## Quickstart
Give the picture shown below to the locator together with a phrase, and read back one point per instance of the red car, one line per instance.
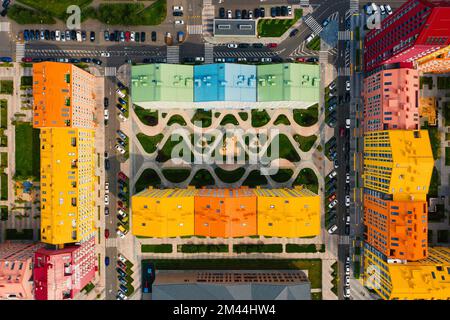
(25, 59)
(127, 36)
(342, 131)
(272, 45)
(332, 197)
(122, 176)
(106, 233)
(121, 204)
(301, 59)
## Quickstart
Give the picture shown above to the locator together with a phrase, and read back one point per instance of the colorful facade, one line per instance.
(399, 163)
(416, 29)
(61, 274)
(225, 213)
(63, 96)
(289, 213)
(16, 270)
(398, 229)
(67, 185)
(436, 62)
(427, 279)
(391, 100)
(163, 213)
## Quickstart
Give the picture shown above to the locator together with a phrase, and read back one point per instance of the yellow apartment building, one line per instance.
(67, 185)
(288, 213)
(398, 162)
(163, 213)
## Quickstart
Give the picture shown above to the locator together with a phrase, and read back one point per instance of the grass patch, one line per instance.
(229, 176)
(277, 27)
(435, 141)
(202, 116)
(202, 178)
(255, 179)
(258, 248)
(282, 175)
(314, 266)
(203, 248)
(260, 118)
(176, 119)
(3, 160)
(314, 44)
(286, 149)
(132, 14)
(446, 112)
(27, 144)
(3, 213)
(156, 248)
(4, 186)
(305, 143)
(229, 118)
(165, 153)
(307, 178)
(295, 248)
(149, 143)
(316, 295)
(4, 114)
(147, 117)
(148, 178)
(335, 280)
(243, 115)
(306, 117)
(176, 175)
(26, 82)
(282, 119)
(6, 87)
(89, 287)
(447, 156)
(23, 15)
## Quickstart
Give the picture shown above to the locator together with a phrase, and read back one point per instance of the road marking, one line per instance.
(20, 51)
(173, 54)
(110, 71)
(195, 29)
(313, 24)
(209, 53)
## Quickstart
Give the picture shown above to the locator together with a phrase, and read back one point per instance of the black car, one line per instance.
(52, 35)
(244, 14)
(312, 60)
(106, 102)
(73, 35)
(243, 45)
(47, 35)
(147, 60)
(143, 36)
(97, 62)
(258, 45)
(86, 60)
(107, 166)
(4, 13)
(121, 85)
(262, 12)
(106, 35)
(117, 36)
(137, 37)
(6, 3)
(284, 11)
(72, 60)
(257, 13)
(92, 36)
(31, 34)
(273, 12)
(238, 14)
(177, 13)
(83, 35)
(222, 13)
(106, 211)
(293, 33)
(153, 36)
(112, 36)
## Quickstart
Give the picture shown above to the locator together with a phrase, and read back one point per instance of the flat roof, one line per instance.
(234, 27)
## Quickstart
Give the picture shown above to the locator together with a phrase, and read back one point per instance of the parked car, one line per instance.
(221, 12)
(153, 36)
(92, 36)
(122, 102)
(97, 62)
(229, 14)
(347, 85)
(143, 36)
(122, 258)
(347, 178)
(347, 201)
(177, 8)
(332, 197)
(106, 200)
(106, 35)
(332, 204)
(120, 149)
(106, 261)
(120, 271)
(347, 123)
(388, 9)
(106, 114)
(106, 211)
(272, 45)
(332, 174)
(121, 134)
(121, 295)
(106, 233)
(122, 176)
(332, 229)
(120, 93)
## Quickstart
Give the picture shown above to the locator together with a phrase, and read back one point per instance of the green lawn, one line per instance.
(229, 118)
(314, 266)
(156, 248)
(282, 119)
(203, 116)
(426, 80)
(166, 151)
(202, 248)
(308, 178)
(202, 178)
(149, 143)
(293, 248)
(147, 117)
(435, 140)
(132, 14)
(260, 248)
(259, 118)
(229, 176)
(243, 115)
(314, 44)
(254, 179)
(55, 8)
(282, 175)
(3, 160)
(6, 87)
(443, 83)
(446, 112)
(305, 143)
(276, 27)
(434, 184)
(176, 119)
(26, 82)
(176, 175)
(306, 117)
(447, 156)
(148, 178)
(23, 15)
(3, 213)
(4, 114)
(27, 152)
(4, 186)
(286, 149)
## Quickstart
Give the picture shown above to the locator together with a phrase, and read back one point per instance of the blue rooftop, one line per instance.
(224, 82)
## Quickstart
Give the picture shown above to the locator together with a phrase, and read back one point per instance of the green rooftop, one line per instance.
(162, 82)
(288, 82)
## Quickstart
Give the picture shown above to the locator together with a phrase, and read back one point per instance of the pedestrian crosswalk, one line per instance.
(195, 29)
(304, 3)
(354, 5)
(209, 53)
(173, 54)
(20, 51)
(345, 35)
(110, 71)
(5, 26)
(343, 71)
(323, 56)
(111, 242)
(334, 16)
(313, 24)
(207, 18)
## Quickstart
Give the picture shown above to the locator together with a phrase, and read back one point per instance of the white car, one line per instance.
(133, 36)
(119, 148)
(347, 281)
(347, 219)
(250, 14)
(374, 7)
(120, 93)
(122, 258)
(388, 9)
(229, 14)
(179, 22)
(347, 260)
(333, 204)
(120, 234)
(347, 85)
(121, 213)
(106, 114)
(121, 117)
(347, 201)
(289, 10)
(106, 199)
(347, 270)
(79, 38)
(106, 187)
(58, 35)
(177, 8)
(332, 86)
(347, 178)
(266, 59)
(347, 123)
(232, 45)
(332, 229)
(311, 36)
(382, 10)
(347, 292)
(121, 296)
(332, 174)
(105, 54)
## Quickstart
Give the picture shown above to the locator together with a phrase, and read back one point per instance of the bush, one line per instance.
(203, 248)
(176, 119)
(294, 248)
(307, 178)
(260, 118)
(6, 87)
(258, 248)
(229, 118)
(202, 178)
(176, 175)
(156, 248)
(148, 178)
(147, 117)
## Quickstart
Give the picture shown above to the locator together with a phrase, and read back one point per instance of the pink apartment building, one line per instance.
(16, 270)
(61, 274)
(391, 100)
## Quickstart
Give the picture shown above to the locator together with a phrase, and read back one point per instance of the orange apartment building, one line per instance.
(63, 96)
(391, 100)
(398, 229)
(225, 213)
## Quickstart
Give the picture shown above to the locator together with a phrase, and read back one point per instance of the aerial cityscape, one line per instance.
(225, 150)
